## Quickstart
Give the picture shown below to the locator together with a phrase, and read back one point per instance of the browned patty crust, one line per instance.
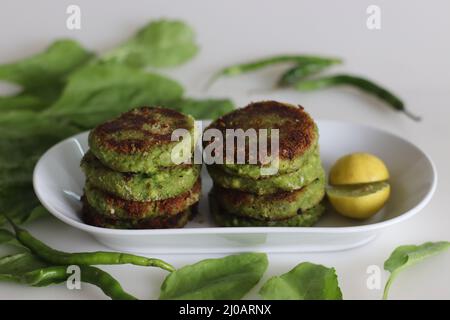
(297, 130)
(117, 208)
(139, 140)
(275, 206)
(91, 217)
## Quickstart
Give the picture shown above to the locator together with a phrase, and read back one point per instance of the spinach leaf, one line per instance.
(21, 101)
(230, 277)
(25, 136)
(161, 43)
(18, 202)
(42, 75)
(408, 255)
(307, 281)
(65, 89)
(6, 236)
(15, 267)
(202, 109)
(97, 93)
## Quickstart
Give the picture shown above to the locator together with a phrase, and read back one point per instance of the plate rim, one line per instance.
(249, 230)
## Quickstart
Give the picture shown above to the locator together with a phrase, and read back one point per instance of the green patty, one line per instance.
(164, 184)
(91, 217)
(298, 135)
(275, 206)
(114, 207)
(302, 219)
(284, 165)
(309, 172)
(140, 140)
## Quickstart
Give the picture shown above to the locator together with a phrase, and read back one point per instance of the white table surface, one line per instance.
(410, 55)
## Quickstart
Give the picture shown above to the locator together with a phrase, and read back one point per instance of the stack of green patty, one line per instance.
(244, 196)
(132, 181)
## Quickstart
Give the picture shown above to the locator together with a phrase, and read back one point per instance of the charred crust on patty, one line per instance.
(161, 222)
(297, 130)
(238, 197)
(152, 125)
(139, 209)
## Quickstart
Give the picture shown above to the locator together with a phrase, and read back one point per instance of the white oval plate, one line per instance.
(58, 183)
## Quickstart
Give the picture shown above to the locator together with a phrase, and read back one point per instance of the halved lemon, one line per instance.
(359, 201)
(358, 168)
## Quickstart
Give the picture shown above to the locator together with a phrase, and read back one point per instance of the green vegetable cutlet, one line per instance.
(92, 217)
(137, 186)
(243, 196)
(140, 140)
(116, 208)
(303, 218)
(309, 172)
(298, 135)
(277, 206)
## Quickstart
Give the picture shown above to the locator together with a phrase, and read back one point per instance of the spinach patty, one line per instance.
(302, 219)
(140, 140)
(277, 206)
(309, 172)
(298, 135)
(91, 217)
(114, 207)
(164, 184)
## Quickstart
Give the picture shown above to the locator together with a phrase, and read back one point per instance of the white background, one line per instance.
(410, 55)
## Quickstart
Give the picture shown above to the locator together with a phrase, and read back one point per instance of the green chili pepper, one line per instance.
(302, 71)
(110, 286)
(45, 276)
(265, 62)
(83, 258)
(360, 83)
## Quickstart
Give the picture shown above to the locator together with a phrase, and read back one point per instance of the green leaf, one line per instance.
(93, 94)
(25, 136)
(46, 93)
(14, 266)
(226, 278)
(6, 236)
(408, 255)
(202, 109)
(21, 101)
(42, 76)
(23, 212)
(97, 93)
(161, 43)
(18, 203)
(48, 67)
(307, 281)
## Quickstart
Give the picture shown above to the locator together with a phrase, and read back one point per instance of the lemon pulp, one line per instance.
(359, 201)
